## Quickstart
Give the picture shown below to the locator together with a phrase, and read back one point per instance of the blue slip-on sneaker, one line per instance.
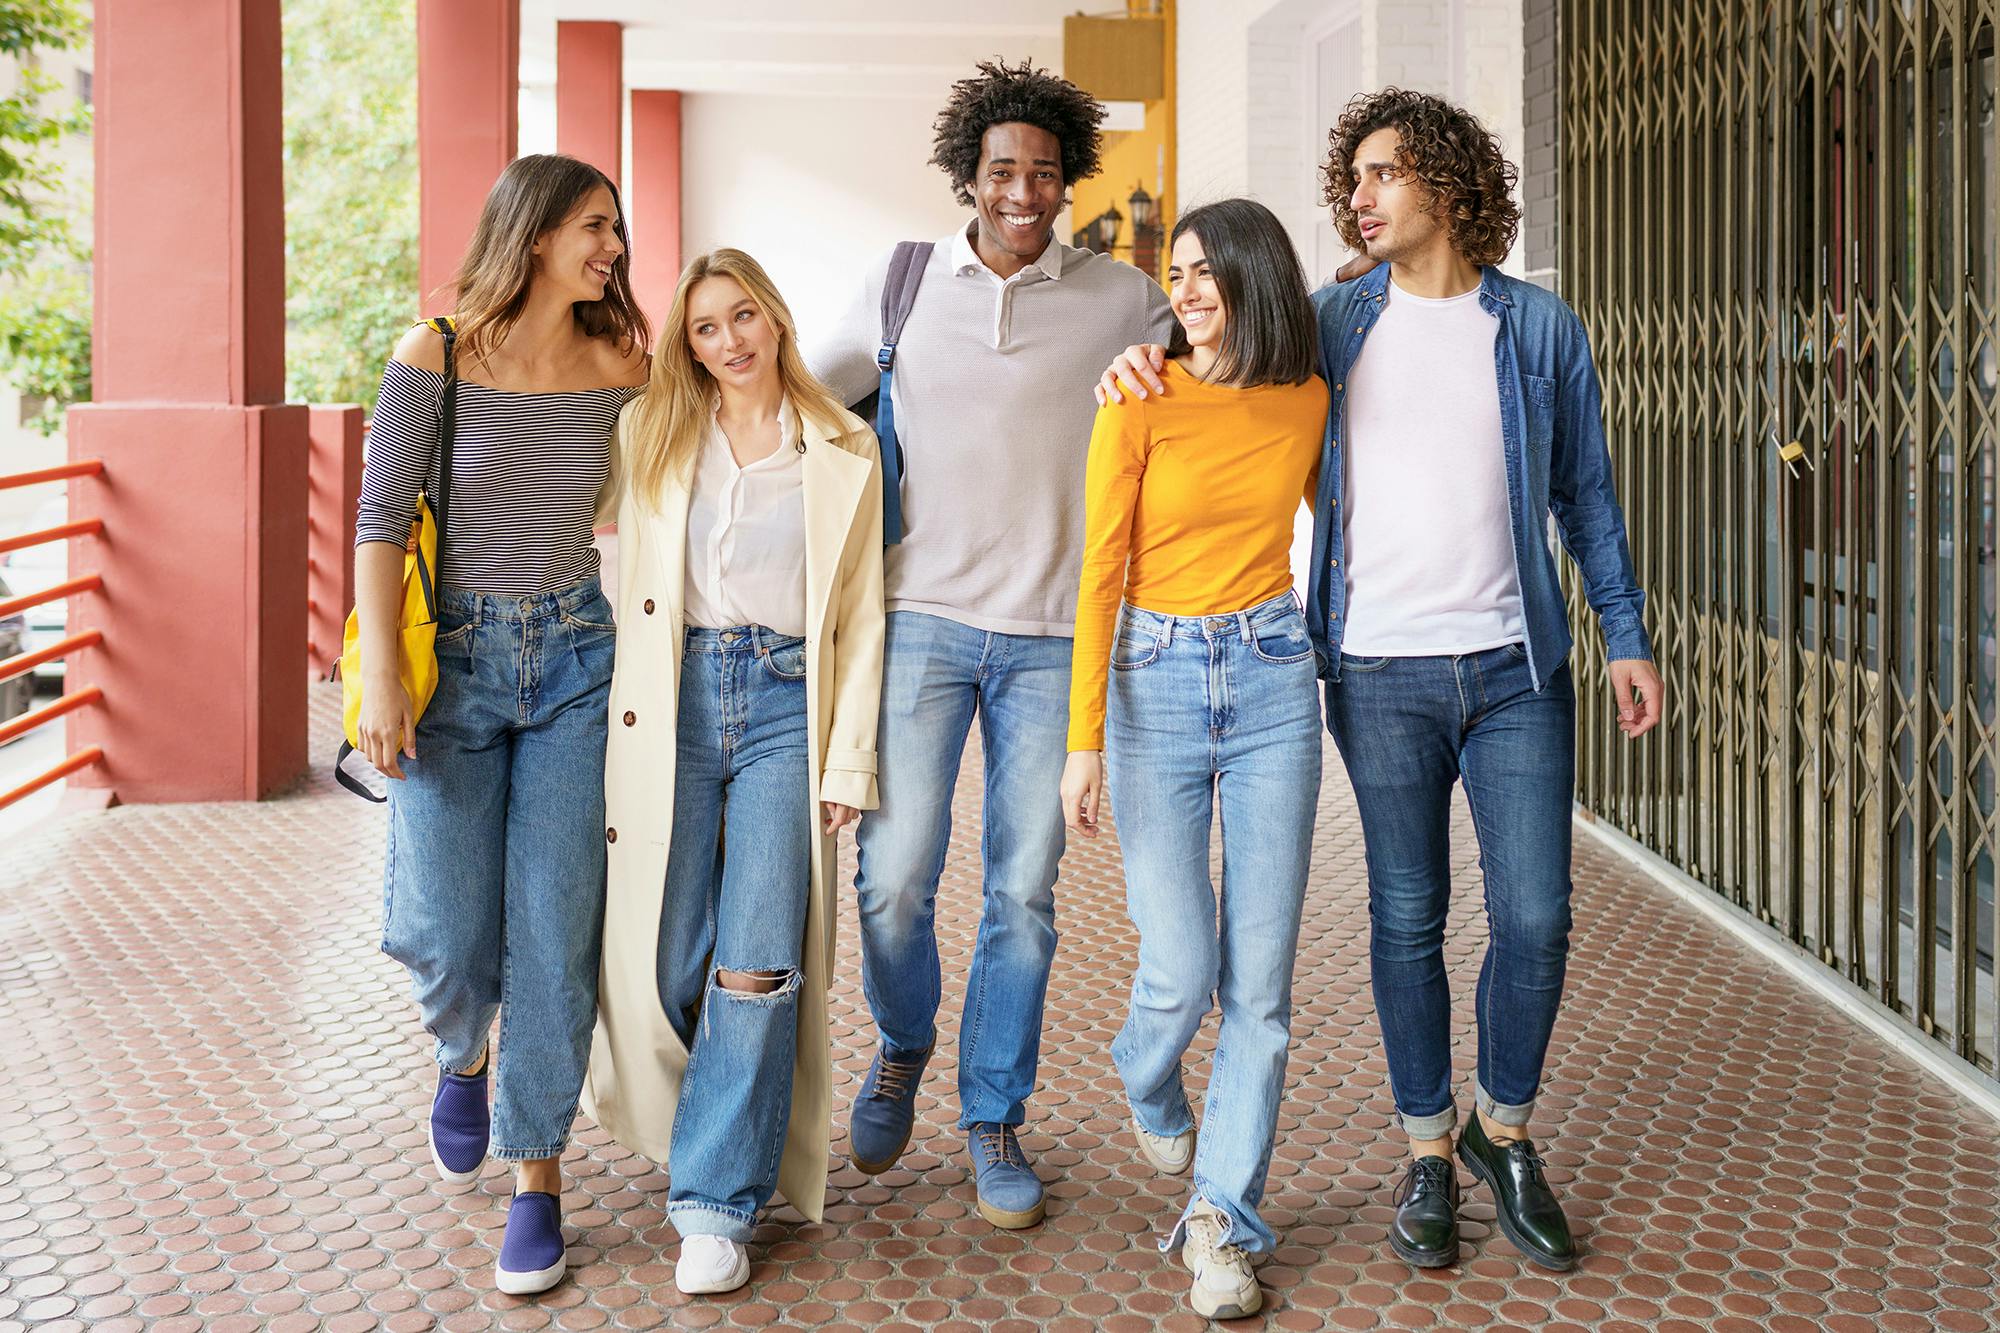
(531, 1255)
(461, 1124)
(1010, 1193)
(884, 1112)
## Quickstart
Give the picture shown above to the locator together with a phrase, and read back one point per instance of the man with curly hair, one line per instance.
(992, 407)
(1465, 415)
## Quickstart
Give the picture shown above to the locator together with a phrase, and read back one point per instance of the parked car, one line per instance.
(31, 571)
(16, 695)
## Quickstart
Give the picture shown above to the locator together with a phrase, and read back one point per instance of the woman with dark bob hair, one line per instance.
(495, 892)
(1190, 502)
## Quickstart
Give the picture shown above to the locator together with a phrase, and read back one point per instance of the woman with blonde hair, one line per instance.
(742, 740)
(494, 892)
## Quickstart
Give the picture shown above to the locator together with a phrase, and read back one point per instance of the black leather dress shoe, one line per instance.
(1523, 1204)
(1424, 1231)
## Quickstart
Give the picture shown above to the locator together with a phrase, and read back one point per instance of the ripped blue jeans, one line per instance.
(739, 874)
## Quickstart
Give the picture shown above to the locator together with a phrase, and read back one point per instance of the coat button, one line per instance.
(630, 717)
(649, 606)
(611, 835)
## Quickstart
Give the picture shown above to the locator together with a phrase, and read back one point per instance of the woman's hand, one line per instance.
(1139, 366)
(387, 725)
(1355, 267)
(838, 816)
(1082, 791)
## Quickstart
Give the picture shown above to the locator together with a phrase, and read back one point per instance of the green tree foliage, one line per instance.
(350, 193)
(45, 336)
(44, 290)
(30, 220)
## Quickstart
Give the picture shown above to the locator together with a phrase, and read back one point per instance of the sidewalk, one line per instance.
(212, 1084)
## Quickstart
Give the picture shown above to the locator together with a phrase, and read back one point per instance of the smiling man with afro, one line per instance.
(1003, 93)
(985, 466)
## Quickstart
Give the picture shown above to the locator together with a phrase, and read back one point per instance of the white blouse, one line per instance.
(746, 535)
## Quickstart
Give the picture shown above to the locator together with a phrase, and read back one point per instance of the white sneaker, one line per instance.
(709, 1264)
(1168, 1155)
(1224, 1286)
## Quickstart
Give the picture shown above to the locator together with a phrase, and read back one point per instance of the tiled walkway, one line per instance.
(211, 1083)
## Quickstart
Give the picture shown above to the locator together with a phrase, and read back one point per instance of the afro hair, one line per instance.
(1001, 94)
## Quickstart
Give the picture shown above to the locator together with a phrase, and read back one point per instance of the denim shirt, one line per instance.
(1551, 426)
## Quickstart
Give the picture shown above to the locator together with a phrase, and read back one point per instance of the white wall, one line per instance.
(813, 188)
(1248, 124)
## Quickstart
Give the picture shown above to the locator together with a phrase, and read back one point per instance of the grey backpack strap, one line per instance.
(899, 297)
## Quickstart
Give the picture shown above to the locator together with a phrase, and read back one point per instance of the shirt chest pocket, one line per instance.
(1538, 411)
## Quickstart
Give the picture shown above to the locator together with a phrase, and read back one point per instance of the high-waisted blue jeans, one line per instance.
(1211, 716)
(494, 895)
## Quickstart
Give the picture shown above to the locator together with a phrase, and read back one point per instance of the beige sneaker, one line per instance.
(1168, 1155)
(1224, 1286)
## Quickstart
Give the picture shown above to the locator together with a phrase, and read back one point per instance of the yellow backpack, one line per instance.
(417, 626)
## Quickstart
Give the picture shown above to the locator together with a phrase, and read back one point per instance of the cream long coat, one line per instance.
(636, 1058)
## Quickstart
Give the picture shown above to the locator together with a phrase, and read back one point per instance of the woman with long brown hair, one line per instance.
(494, 895)
(742, 740)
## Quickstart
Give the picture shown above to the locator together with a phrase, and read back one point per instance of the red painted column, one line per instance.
(590, 93)
(654, 201)
(203, 494)
(468, 119)
(334, 492)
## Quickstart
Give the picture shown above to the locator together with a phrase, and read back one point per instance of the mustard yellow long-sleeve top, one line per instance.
(1189, 502)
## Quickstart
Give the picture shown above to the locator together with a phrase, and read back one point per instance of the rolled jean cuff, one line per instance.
(1430, 1126)
(500, 1153)
(1514, 1117)
(707, 1219)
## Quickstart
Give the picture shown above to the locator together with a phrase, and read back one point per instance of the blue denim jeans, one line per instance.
(1211, 716)
(936, 676)
(494, 896)
(739, 876)
(1408, 728)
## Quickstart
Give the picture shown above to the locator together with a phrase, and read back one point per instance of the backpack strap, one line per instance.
(899, 297)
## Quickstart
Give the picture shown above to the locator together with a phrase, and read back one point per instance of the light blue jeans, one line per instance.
(739, 876)
(1211, 715)
(494, 893)
(937, 675)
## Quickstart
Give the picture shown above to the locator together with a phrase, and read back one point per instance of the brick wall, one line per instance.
(1541, 152)
(1212, 96)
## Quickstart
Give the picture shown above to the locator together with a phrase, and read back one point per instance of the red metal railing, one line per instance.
(70, 645)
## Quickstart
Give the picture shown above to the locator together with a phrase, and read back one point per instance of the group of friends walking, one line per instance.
(613, 829)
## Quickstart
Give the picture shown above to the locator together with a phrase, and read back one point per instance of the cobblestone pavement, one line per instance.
(211, 1086)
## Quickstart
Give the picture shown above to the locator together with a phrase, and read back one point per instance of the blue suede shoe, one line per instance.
(884, 1112)
(461, 1123)
(1010, 1193)
(531, 1257)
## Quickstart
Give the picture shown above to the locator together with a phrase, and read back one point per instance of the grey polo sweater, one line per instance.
(993, 411)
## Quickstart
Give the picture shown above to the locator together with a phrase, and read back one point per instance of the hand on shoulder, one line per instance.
(1137, 370)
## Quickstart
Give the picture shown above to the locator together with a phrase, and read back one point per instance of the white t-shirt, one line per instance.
(746, 536)
(1430, 552)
